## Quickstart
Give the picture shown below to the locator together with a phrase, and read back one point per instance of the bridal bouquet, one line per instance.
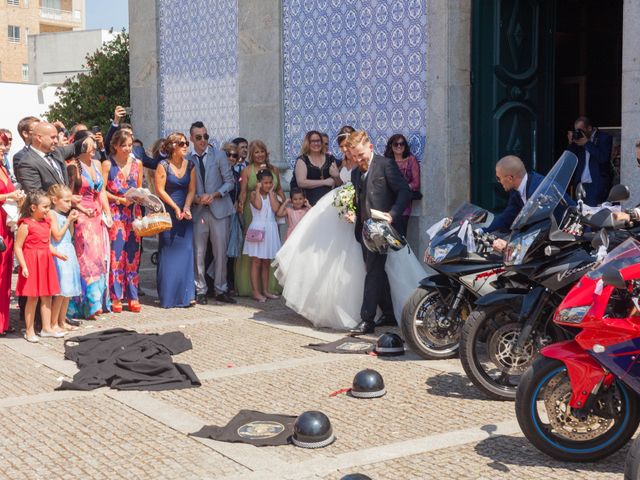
(344, 201)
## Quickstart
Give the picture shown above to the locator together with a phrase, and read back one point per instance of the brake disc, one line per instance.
(432, 318)
(557, 395)
(501, 344)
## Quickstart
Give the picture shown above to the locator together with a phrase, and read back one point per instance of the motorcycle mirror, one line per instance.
(618, 193)
(580, 192)
(551, 250)
(613, 277)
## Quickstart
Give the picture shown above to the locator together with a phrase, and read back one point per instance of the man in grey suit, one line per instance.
(212, 212)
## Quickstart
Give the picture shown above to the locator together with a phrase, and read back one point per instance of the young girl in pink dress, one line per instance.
(294, 209)
(37, 277)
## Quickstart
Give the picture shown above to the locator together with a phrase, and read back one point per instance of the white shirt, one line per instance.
(586, 173)
(204, 156)
(522, 188)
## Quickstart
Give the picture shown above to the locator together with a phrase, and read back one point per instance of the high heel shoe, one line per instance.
(116, 307)
(134, 306)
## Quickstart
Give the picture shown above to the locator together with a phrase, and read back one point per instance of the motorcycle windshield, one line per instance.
(549, 193)
(465, 212)
(624, 255)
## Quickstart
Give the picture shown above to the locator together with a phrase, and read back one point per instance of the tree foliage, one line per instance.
(90, 97)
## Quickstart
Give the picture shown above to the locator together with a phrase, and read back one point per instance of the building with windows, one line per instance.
(466, 81)
(32, 17)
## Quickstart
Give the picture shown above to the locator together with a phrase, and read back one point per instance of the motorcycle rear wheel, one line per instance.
(548, 422)
(422, 328)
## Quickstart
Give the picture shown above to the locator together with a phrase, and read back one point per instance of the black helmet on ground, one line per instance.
(312, 430)
(389, 344)
(367, 384)
(380, 237)
(355, 476)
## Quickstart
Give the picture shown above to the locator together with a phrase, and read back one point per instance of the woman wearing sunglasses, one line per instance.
(398, 149)
(176, 186)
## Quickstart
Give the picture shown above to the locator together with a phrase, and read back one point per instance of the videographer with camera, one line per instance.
(594, 170)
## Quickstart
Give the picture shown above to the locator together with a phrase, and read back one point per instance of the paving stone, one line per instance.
(23, 376)
(97, 437)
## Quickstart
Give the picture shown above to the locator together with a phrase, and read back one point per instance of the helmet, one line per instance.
(312, 430)
(389, 344)
(368, 384)
(355, 476)
(378, 236)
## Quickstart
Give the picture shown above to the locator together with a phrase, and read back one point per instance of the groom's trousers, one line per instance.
(377, 291)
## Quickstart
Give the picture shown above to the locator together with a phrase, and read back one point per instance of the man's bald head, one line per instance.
(510, 171)
(45, 137)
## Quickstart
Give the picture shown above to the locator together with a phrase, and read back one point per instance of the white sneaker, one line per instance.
(31, 339)
(52, 334)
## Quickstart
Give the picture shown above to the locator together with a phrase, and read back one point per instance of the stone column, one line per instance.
(630, 174)
(143, 69)
(260, 73)
(446, 176)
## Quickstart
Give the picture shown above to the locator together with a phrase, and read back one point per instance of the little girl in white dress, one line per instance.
(262, 240)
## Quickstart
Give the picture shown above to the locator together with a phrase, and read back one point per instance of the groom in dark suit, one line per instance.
(380, 186)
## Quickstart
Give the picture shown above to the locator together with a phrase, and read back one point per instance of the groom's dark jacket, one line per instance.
(382, 188)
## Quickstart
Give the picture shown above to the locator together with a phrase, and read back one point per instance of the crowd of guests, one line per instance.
(67, 217)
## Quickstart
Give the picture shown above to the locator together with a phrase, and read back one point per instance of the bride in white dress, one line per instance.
(321, 269)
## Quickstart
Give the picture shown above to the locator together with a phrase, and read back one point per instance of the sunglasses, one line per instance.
(232, 155)
(200, 137)
(399, 144)
(182, 144)
(499, 179)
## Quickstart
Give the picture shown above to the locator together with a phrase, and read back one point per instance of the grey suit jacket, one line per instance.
(218, 178)
(34, 173)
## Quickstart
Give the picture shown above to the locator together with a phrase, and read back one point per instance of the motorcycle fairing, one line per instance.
(623, 359)
(584, 372)
(512, 296)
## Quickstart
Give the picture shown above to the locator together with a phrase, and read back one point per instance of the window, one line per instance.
(53, 4)
(15, 3)
(25, 72)
(14, 34)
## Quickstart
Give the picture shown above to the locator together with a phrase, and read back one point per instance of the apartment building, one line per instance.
(30, 17)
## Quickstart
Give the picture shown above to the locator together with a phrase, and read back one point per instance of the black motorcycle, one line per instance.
(507, 328)
(465, 268)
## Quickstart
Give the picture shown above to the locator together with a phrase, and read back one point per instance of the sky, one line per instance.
(107, 14)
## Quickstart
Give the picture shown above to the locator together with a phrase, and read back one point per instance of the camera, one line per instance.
(577, 134)
(95, 129)
(128, 110)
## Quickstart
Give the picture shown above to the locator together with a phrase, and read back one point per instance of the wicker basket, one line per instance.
(153, 223)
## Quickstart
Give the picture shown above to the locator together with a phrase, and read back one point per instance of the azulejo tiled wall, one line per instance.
(357, 62)
(198, 44)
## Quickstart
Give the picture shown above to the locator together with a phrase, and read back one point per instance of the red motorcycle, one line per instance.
(580, 400)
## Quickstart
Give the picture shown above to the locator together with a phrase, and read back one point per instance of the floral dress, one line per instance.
(125, 244)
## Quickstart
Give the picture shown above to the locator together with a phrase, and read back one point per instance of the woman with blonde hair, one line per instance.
(258, 159)
(176, 186)
(316, 172)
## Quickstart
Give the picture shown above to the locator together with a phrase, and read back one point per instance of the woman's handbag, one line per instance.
(416, 195)
(3, 246)
(254, 235)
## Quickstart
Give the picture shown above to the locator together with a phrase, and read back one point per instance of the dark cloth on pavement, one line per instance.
(128, 360)
(345, 345)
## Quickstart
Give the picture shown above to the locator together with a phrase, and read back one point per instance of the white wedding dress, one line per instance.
(321, 270)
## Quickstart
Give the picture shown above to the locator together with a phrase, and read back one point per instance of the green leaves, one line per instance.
(91, 97)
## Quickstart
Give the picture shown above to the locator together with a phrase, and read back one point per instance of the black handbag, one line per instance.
(3, 246)
(416, 195)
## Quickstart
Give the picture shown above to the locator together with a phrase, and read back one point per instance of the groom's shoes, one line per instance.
(362, 328)
(386, 320)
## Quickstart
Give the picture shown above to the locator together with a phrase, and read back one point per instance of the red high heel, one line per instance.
(116, 307)
(134, 306)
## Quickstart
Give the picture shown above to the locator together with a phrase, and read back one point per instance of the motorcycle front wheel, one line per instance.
(426, 327)
(550, 424)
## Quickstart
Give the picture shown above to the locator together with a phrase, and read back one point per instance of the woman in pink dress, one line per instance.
(91, 236)
(7, 192)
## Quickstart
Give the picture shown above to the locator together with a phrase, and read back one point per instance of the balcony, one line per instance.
(61, 16)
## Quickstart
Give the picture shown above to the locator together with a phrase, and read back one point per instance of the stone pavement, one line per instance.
(431, 424)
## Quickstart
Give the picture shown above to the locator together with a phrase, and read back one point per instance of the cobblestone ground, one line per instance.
(431, 424)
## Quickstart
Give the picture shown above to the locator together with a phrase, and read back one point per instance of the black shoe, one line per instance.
(225, 297)
(386, 320)
(362, 328)
(74, 322)
(201, 299)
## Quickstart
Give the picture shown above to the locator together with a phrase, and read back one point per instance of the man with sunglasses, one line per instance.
(212, 212)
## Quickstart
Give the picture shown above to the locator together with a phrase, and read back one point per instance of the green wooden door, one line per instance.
(512, 90)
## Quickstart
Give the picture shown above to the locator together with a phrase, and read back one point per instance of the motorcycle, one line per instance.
(465, 268)
(507, 328)
(580, 400)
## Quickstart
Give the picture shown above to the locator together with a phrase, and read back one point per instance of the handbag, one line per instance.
(255, 235)
(3, 246)
(416, 195)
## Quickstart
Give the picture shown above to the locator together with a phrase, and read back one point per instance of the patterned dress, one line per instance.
(125, 244)
(6, 257)
(92, 249)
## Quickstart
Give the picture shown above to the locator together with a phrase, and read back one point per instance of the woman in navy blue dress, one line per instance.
(176, 186)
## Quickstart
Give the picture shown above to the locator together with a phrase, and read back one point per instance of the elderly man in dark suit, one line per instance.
(380, 186)
(43, 164)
